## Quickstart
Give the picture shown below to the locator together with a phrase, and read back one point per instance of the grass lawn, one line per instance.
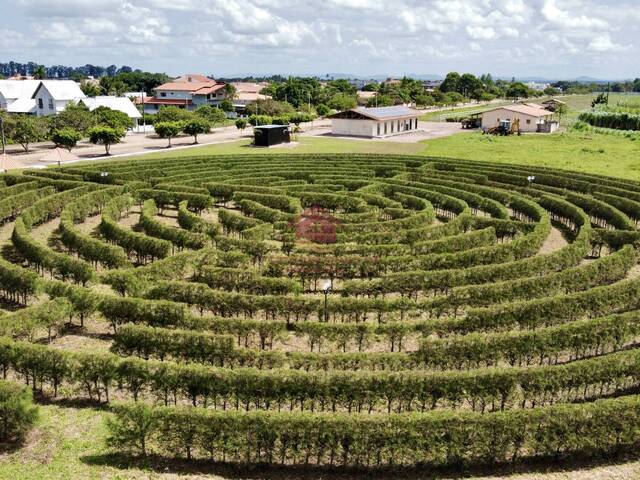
(610, 155)
(588, 152)
(304, 145)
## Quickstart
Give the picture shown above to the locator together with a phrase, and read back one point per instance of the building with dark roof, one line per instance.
(375, 122)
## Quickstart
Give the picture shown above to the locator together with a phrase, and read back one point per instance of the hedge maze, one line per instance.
(474, 315)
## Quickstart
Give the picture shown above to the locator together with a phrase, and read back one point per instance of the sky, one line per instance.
(544, 38)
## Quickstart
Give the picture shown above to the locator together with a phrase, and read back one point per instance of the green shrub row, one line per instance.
(619, 121)
(194, 223)
(87, 247)
(457, 440)
(12, 204)
(143, 247)
(177, 236)
(484, 390)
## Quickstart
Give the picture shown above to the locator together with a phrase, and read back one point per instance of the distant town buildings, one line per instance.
(431, 85)
(539, 87)
(375, 122)
(359, 83)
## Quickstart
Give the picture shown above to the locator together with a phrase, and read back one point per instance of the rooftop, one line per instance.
(61, 89)
(11, 89)
(524, 109)
(193, 77)
(378, 113)
(270, 127)
(122, 104)
(185, 86)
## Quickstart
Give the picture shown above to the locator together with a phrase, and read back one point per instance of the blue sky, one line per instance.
(549, 38)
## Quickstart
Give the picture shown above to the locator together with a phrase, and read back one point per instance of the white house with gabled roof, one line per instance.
(15, 95)
(53, 96)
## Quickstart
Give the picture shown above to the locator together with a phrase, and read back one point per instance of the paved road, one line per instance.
(139, 143)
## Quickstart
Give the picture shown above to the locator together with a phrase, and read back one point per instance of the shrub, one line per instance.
(17, 412)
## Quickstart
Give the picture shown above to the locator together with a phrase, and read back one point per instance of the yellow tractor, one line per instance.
(505, 127)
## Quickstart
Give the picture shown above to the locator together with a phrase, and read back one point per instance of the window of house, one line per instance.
(528, 121)
(51, 104)
(163, 94)
(385, 128)
(378, 129)
(40, 103)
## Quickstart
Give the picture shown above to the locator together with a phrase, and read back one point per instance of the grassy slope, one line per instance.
(586, 152)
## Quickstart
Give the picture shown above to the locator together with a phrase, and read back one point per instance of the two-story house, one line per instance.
(53, 96)
(189, 91)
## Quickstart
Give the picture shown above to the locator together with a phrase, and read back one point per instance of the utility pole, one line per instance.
(2, 130)
(144, 123)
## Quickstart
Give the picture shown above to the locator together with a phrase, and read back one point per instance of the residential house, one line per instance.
(530, 118)
(121, 104)
(188, 91)
(375, 122)
(15, 95)
(246, 93)
(53, 96)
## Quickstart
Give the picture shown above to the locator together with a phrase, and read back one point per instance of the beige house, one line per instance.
(530, 118)
(375, 122)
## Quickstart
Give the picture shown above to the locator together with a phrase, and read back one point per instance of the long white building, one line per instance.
(375, 122)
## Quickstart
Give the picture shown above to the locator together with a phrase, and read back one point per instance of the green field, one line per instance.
(575, 104)
(586, 152)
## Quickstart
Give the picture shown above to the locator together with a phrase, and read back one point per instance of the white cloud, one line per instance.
(290, 36)
(603, 43)
(481, 33)
(569, 20)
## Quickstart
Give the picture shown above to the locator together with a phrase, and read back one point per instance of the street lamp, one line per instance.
(326, 288)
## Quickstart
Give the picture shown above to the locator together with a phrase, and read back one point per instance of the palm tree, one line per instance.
(40, 73)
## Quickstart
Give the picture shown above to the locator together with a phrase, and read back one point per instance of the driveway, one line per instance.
(141, 143)
(133, 143)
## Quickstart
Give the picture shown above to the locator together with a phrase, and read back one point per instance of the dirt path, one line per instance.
(554, 242)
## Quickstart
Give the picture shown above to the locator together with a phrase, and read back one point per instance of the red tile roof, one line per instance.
(185, 86)
(162, 101)
(193, 77)
(208, 90)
